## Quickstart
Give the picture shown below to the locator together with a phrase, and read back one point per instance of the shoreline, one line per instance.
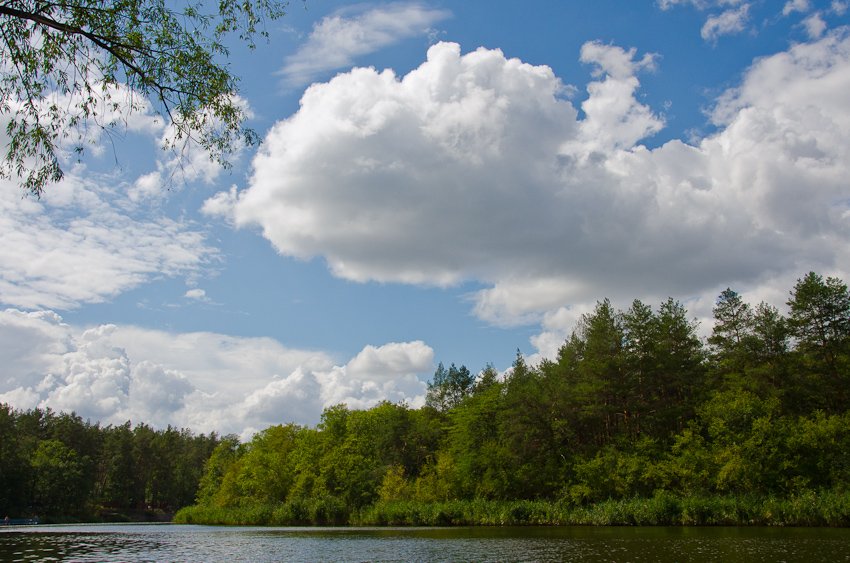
(809, 509)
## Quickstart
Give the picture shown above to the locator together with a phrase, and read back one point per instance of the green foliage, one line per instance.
(60, 483)
(733, 323)
(60, 467)
(14, 462)
(449, 387)
(394, 486)
(475, 447)
(662, 509)
(820, 322)
(439, 481)
(73, 67)
(323, 511)
(614, 473)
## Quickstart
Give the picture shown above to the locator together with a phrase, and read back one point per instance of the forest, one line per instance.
(636, 421)
(59, 468)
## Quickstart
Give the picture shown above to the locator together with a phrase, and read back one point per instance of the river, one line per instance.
(162, 543)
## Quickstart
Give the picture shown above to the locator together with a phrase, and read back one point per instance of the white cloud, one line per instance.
(556, 325)
(218, 363)
(728, 22)
(701, 4)
(184, 160)
(405, 165)
(203, 381)
(613, 117)
(376, 374)
(157, 393)
(94, 380)
(792, 6)
(81, 243)
(474, 167)
(388, 372)
(615, 61)
(31, 345)
(815, 26)
(338, 39)
(197, 295)
(391, 360)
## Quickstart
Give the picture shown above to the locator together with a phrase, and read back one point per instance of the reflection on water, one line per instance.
(163, 543)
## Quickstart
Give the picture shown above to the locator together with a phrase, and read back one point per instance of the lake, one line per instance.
(130, 543)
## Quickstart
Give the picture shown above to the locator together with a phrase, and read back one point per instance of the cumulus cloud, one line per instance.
(94, 379)
(82, 243)
(728, 22)
(613, 117)
(475, 167)
(338, 39)
(31, 345)
(53, 366)
(203, 381)
(156, 393)
(387, 372)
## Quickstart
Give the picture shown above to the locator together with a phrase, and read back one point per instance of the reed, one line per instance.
(325, 511)
(664, 509)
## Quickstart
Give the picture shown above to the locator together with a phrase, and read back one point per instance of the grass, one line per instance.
(806, 509)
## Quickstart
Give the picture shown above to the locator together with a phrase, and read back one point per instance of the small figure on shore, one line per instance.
(6, 521)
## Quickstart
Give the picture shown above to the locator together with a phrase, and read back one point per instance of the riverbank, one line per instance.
(807, 509)
(90, 515)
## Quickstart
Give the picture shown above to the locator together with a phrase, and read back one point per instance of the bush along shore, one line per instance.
(807, 509)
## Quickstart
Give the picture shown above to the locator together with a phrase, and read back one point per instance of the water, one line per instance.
(132, 543)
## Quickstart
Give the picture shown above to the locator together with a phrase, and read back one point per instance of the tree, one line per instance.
(118, 466)
(768, 346)
(678, 357)
(449, 387)
(640, 327)
(71, 67)
(603, 336)
(820, 322)
(15, 465)
(60, 477)
(733, 319)
(820, 312)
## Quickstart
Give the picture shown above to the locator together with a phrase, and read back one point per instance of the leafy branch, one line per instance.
(100, 55)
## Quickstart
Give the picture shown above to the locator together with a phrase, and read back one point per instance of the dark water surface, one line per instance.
(130, 543)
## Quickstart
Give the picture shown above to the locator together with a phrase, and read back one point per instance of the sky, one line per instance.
(437, 182)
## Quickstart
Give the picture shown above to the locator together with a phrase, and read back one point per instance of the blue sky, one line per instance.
(438, 182)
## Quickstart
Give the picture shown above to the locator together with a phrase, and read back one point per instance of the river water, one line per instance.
(131, 543)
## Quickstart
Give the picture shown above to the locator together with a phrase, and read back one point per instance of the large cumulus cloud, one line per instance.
(477, 167)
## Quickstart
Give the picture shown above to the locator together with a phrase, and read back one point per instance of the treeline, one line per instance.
(59, 467)
(635, 406)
